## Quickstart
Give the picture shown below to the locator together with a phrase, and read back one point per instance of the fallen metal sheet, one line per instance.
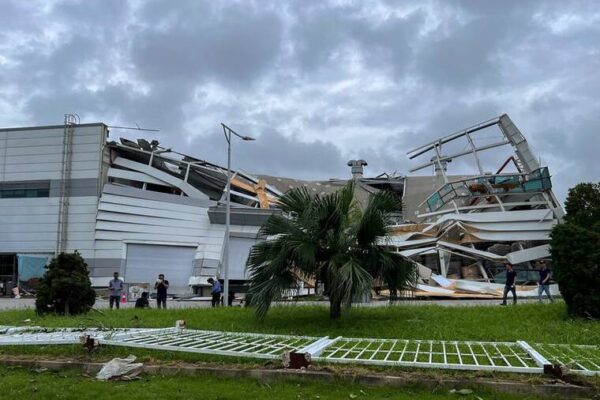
(479, 253)
(520, 226)
(393, 241)
(420, 251)
(442, 281)
(495, 289)
(511, 236)
(434, 289)
(533, 253)
(498, 216)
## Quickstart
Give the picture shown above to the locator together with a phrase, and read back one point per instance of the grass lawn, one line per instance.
(19, 383)
(545, 323)
(536, 323)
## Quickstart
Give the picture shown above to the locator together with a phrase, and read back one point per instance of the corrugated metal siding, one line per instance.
(123, 219)
(37, 153)
(29, 225)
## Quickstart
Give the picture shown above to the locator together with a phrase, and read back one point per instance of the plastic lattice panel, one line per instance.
(219, 343)
(579, 358)
(432, 354)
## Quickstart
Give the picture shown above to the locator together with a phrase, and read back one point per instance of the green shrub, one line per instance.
(65, 288)
(576, 268)
(575, 248)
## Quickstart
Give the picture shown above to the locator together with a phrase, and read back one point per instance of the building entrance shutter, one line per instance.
(239, 250)
(146, 261)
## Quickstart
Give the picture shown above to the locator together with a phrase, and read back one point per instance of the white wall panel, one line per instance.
(49, 141)
(114, 253)
(53, 158)
(153, 229)
(54, 149)
(110, 235)
(30, 224)
(54, 132)
(10, 236)
(51, 227)
(117, 208)
(52, 166)
(147, 220)
(108, 245)
(239, 249)
(158, 205)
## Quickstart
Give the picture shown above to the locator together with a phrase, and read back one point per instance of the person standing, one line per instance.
(509, 286)
(161, 287)
(544, 282)
(215, 291)
(116, 287)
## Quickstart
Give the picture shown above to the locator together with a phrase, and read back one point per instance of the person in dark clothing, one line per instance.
(161, 287)
(544, 282)
(215, 291)
(142, 302)
(511, 281)
(116, 287)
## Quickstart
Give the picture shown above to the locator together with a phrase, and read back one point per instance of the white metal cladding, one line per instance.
(146, 261)
(124, 218)
(239, 249)
(45, 145)
(29, 224)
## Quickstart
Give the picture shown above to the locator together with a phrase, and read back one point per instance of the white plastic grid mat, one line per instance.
(214, 342)
(496, 356)
(581, 359)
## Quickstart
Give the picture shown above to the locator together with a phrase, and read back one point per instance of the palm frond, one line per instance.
(375, 218)
(348, 280)
(295, 200)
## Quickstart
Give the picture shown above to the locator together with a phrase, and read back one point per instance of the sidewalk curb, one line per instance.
(561, 390)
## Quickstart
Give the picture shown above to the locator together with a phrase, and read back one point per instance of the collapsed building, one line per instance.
(462, 232)
(141, 209)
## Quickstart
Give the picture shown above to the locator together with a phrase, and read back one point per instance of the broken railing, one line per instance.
(299, 351)
(490, 185)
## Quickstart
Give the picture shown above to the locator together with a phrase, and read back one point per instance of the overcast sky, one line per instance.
(316, 83)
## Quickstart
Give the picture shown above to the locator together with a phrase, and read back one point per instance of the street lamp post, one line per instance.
(228, 132)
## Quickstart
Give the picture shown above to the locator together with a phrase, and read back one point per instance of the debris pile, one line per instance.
(469, 226)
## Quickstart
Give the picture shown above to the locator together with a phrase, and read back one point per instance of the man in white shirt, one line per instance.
(116, 287)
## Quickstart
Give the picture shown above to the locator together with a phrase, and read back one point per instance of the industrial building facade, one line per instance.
(123, 208)
(140, 209)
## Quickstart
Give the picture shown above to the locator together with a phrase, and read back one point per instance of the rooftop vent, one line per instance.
(357, 167)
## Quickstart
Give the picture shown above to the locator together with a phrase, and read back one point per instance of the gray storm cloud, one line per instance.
(317, 83)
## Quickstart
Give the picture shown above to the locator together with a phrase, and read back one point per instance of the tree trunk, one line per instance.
(335, 309)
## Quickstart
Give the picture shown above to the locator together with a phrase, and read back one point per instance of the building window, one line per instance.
(16, 190)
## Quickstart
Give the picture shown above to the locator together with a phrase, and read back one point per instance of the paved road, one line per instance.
(24, 303)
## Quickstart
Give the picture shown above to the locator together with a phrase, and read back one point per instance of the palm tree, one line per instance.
(328, 238)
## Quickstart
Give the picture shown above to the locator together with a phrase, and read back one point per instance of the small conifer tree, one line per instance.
(65, 288)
